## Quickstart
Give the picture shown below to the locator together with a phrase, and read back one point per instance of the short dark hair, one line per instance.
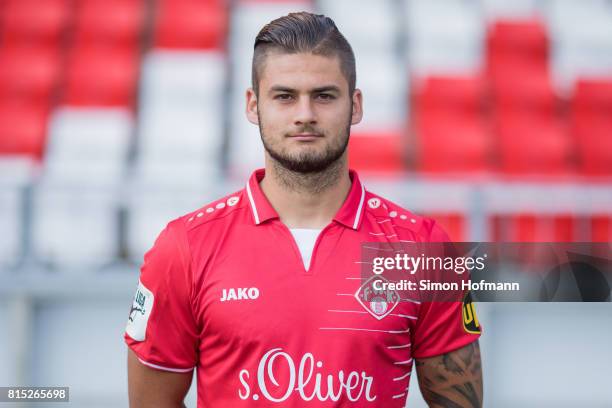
(304, 32)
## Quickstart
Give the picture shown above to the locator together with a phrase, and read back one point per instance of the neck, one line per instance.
(306, 200)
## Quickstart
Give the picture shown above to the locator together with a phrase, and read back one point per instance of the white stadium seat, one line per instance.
(581, 40)
(382, 18)
(189, 133)
(518, 9)
(194, 175)
(191, 78)
(182, 110)
(150, 209)
(16, 172)
(75, 227)
(11, 225)
(88, 145)
(384, 86)
(444, 37)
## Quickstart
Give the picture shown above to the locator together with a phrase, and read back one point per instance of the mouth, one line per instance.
(306, 137)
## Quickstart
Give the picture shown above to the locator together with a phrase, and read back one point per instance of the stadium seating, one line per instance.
(452, 133)
(382, 18)
(22, 129)
(518, 9)
(532, 146)
(592, 125)
(582, 40)
(11, 216)
(452, 46)
(517, 42)
(75, 229)
(601, 228)
(440, 99)
(387, 158)
(88, 146)
(383, 83)
(181, 112)
(34, 22)
(16, 173)
(29, 75)
(183, 76)
(454, 224)
(533, 227)
(457, 95)
(101, 77)
(150, 208)
(533, 95)
(449, 145)
(112, 23)
(191, 24)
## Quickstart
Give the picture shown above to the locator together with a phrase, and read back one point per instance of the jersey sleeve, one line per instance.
(444, 326)
(161, 328)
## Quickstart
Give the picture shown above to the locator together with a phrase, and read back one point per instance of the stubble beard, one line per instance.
(308, 171)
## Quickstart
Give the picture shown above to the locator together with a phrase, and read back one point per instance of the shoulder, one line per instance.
(381, 209)
(223, 210)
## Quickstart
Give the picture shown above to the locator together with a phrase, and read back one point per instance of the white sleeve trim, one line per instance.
(174, 370)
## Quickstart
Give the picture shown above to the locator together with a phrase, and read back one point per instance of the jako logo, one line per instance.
(239, 294)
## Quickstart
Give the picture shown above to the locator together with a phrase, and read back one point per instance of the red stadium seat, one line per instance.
(447, 143)
(533, 228)
(511, 41)
(592, 125)
(115, 23)
(102, 77)
(463, 95)
(453, 223)
(28, 75)
(525, 90)
(386, 157)
(34, 22)
(601, 228)
(532, 146)
(593, 140)
(191, 24)
(593, 97)
(22, 129)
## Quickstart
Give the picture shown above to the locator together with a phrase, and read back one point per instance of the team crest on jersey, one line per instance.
(379, 303)
(139, 313)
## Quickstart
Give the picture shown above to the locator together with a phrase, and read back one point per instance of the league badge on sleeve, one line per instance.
(470, 321)
(139, 313)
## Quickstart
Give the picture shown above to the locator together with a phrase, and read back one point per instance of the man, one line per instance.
(260, 291)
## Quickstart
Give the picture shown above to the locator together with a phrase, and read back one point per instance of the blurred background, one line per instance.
(493, 116)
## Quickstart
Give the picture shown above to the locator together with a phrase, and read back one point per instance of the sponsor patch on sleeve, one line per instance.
(470, 321)
(139, 313)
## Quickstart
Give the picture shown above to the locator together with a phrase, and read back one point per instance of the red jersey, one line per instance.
(224, 290)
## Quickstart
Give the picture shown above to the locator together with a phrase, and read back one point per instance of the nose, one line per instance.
(304, 113)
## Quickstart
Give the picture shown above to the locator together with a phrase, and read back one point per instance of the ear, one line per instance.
(251, 106)
(357, 113)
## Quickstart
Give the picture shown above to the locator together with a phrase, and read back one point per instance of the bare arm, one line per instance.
(452, 380)
(153, 388)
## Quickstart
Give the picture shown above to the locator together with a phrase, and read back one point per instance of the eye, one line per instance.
(326, 96)
(283, 97)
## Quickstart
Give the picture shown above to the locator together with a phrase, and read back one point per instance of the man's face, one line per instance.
(304, 110)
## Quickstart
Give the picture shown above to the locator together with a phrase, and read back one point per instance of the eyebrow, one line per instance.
(326, 88)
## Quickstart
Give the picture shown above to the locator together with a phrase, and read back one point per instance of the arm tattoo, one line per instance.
(452, 380)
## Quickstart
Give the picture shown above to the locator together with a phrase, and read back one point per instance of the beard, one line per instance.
(308, 161)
